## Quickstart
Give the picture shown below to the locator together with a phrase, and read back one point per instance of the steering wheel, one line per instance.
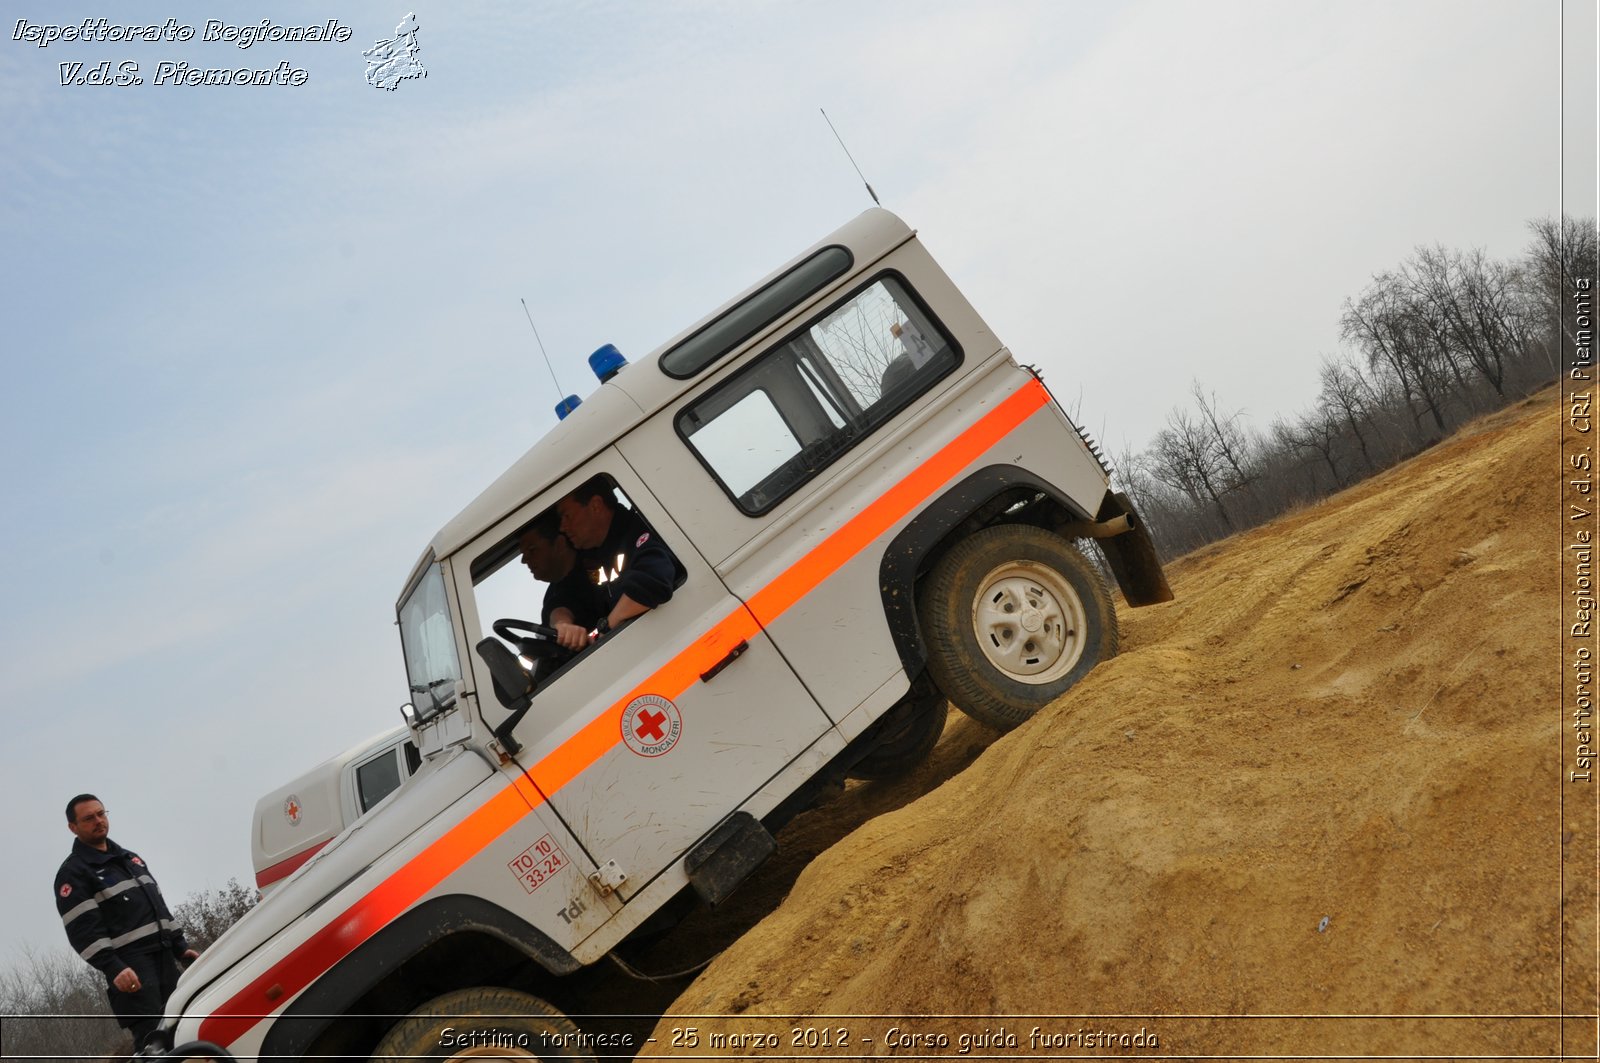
(543, 644)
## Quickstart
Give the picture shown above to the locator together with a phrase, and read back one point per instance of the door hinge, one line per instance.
(608, 879)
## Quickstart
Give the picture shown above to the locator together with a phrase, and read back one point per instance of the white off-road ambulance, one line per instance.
(873, 509)
(296, 820)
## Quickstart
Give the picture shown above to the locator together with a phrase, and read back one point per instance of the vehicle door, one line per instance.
(665, 726)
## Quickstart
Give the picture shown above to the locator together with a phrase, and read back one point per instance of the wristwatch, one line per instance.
(602, 626)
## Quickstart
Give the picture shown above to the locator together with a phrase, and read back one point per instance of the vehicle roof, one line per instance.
(638, 391)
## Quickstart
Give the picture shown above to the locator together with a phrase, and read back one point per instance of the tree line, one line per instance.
(1441, 338)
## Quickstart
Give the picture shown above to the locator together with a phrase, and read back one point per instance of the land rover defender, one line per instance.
(875, 510)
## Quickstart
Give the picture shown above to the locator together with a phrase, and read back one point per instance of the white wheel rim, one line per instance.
(1029, 622)
(494, 1052)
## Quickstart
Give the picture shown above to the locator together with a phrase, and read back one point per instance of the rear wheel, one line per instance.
(483, 1022)
(1012, 617)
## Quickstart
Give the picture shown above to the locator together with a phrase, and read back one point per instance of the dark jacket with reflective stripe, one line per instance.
(634, 562)
(111, 904)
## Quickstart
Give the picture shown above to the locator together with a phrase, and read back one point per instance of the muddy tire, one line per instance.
(485, 1022)
(1012, 617)
(906, 735)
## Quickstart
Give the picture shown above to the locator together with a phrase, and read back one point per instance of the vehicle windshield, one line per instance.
(428, 640)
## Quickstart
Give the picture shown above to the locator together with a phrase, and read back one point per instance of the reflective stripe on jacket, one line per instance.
(110, 903)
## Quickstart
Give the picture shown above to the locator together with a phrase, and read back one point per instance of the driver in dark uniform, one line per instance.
(572, 602)
(637, 572)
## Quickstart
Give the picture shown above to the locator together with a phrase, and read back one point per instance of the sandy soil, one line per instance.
(1321, 785)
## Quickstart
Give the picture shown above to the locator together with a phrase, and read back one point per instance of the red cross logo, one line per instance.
(648, 725)
(291, 809)
(651, 725)
(66, 889)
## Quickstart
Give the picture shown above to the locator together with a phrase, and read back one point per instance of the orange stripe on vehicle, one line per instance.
(600, 735)
(364, 918)
(856, 534)
(596, 738)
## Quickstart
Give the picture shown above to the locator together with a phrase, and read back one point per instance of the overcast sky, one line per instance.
(262, 342)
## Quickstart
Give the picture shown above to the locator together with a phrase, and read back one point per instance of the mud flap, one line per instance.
(1132, 555)
(726, 857)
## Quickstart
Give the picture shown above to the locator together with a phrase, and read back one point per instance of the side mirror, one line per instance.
(513, 686)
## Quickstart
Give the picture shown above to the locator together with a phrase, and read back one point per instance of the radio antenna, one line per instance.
(542, 351)
(852, 159)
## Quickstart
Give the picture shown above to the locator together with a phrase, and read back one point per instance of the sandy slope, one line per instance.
(1350, 715)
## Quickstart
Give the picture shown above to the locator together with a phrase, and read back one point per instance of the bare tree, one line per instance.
(1495, 321)
(205, 915)
(1184, 458)
(1431, 297)
(860, 344)
(1348, 395)
(56, 1007)
(1231, 442)
(1381, 323)
(1477, 311)
(1315, 433)
(1561, 255)
(1131, 475)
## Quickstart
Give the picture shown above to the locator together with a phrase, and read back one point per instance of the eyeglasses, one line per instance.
(104, 813)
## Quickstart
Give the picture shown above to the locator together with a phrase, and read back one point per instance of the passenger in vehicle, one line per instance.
(572, 602)
(636, 570)
(899, 372)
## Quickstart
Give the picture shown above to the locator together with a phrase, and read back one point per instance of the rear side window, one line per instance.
(795, 409)
(377, 779)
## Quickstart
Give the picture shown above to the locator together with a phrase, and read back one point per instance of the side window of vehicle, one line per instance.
(748, 441)
(377, 779)
(570, 563)
(792, 411)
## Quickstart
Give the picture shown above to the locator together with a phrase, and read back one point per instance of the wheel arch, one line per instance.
(1015, 615)
(415, 958)
(995, 494)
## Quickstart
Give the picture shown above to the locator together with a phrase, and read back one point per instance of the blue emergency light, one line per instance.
(607, 362)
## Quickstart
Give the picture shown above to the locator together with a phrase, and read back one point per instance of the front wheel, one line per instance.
(904, 736)
(1012, 616)
(487, 1021)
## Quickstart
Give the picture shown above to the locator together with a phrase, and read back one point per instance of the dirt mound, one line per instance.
(1323, 783)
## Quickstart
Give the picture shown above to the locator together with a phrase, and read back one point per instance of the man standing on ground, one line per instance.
(117, 921)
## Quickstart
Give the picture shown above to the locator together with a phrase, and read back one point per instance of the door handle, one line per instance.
(733, 655)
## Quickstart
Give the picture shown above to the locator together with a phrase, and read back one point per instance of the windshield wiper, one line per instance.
(429, 689)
